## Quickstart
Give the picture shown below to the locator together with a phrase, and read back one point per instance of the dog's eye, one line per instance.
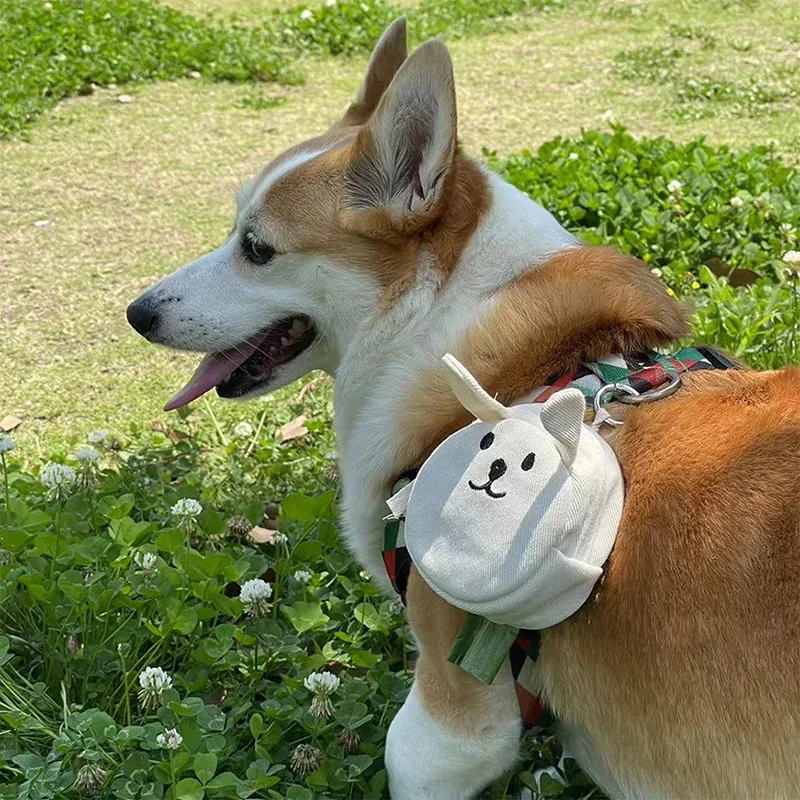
(528, 461)
(487, 440)
(256, 251)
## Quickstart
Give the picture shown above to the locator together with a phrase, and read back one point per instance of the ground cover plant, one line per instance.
(699, 89)
(49, 51)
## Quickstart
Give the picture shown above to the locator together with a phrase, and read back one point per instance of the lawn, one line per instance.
(191, 142)
(99, 198)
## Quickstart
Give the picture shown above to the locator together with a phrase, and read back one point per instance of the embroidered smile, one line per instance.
(497, 470)
(487, 487)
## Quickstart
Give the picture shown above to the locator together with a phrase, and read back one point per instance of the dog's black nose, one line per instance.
(497, 470)
(140, 317)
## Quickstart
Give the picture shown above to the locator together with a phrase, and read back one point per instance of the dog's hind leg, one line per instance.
(454, 734)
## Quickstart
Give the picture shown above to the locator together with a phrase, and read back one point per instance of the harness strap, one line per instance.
(643, 372)
(395, 555)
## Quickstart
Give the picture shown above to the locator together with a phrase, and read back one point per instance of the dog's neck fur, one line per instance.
(383, 361)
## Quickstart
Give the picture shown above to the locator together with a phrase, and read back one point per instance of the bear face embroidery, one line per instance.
(498, 468)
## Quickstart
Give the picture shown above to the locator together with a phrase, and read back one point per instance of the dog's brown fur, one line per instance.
(686, 662)
(581, 305)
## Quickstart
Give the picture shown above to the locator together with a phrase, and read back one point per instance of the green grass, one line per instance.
(49, 51)
(134, 191)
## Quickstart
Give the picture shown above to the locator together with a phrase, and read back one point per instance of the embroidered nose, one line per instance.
(497, 470)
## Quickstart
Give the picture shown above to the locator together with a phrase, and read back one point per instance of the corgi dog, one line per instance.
(374, 249)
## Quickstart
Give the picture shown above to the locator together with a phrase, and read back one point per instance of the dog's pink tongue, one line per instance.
(213, 369)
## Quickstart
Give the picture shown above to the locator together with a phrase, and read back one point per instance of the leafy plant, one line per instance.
(49, 51)
(115, 572)
(756, 323)
(677, 206)
(737, 99)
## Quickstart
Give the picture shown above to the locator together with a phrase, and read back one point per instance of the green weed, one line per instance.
(693, 33)
(49, 51)
(677, 206)
(732, 99)
(756, 323)
(258, 101)
(647, 64)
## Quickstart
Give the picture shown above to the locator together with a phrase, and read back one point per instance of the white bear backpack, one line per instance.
(512, 517)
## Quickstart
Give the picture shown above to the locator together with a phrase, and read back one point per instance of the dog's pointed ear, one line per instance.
(404, 153)
(387, 57)
(562, 418)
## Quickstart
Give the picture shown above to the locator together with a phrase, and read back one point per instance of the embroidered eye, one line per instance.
(487, 440)
(528, 461)
(256, 251)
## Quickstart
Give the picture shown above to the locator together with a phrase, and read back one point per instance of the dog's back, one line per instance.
(684, 669)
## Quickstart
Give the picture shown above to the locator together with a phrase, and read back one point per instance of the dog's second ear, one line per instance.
(387, 57)
(403, 154)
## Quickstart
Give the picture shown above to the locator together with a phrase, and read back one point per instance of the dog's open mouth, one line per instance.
(238, 370)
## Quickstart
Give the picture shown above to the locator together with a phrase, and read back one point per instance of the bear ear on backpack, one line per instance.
(470, 393)
(562, 418)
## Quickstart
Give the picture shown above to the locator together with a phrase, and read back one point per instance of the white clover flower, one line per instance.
(792, 258)
(243, 430)
(6, 444)
(330, 3)
(279, 538)
(58, 479)
(97, 437)
(322, 685)
(306, 759)
(364, 575)
(302, 576)
(87, 455)
(153, 681)
(573, 156)
(674, 188)
(736, 202)
(788, 231)
(307, 14)
(255, 594)
(146, 561)
(90, 777)
(48, 6)
(608, 116)
(365, 8)
(187, 508)
(657, 272)
(169, 740)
